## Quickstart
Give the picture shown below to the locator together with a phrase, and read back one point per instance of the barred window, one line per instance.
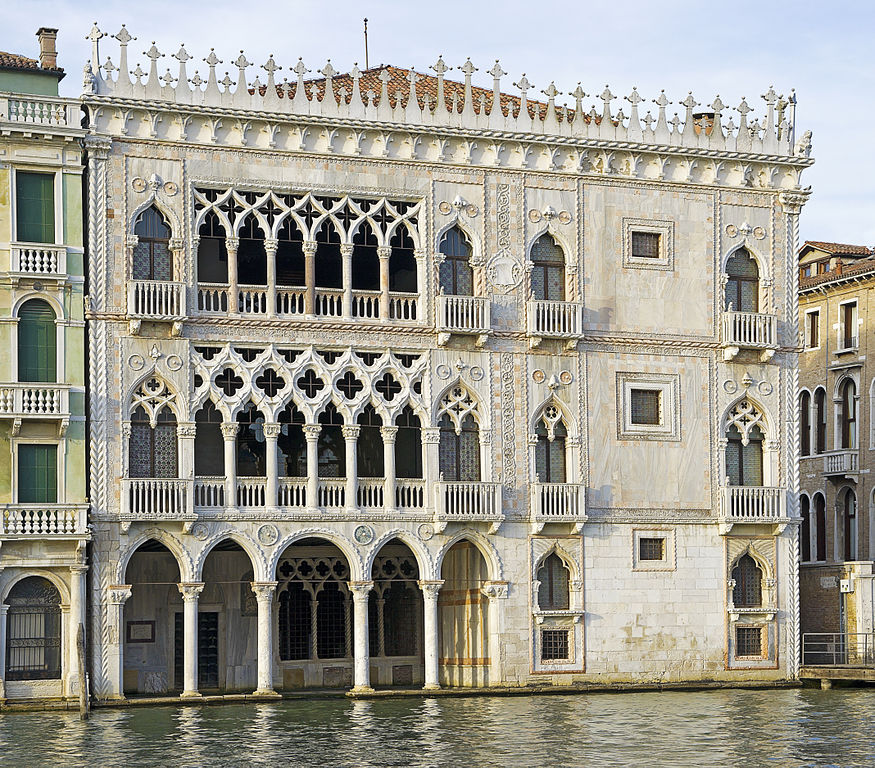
(749, 641)
(645, 404)
(651, 549)
(554, 645)
(748, 592)
(645, 245)
(553, 589)
(33, 631)
(153, 259)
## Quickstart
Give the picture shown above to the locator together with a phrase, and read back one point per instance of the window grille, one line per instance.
(295, 623)
(550, 448)
(645, 406)
(152, 257)
(33, 631)
(747, 592)
(744, 463)
(645, 245)
(548, 270)
(152, 451)
(456, 275)
(459, 453)
(651, 548)
(554, 645)
(742, 285)
(749, 641)
(331, 622)
(400, 611)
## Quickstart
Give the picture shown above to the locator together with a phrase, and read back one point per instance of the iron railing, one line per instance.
(838, 649)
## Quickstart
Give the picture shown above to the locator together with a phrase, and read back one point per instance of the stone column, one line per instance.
(346, 255)
(496, 591)
(186, 431)
(231, 244)
(362, 672)
(190, 593)
(430, 591)
(350, 437)
(431, 466)
(311, 434)
(420, 254)
(229, 433)
(309, 248)
(116, 597)
(3, 609)
(264, 591)
(389, 434)
(384, 252)
(271, 434)
(270, 248)
(77, 617)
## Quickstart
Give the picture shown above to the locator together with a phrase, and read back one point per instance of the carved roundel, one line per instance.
(174, 362)
(535, 216)
(136, 362)
(476, 373)
(471, 210)
(732, 230)
(444, 207)
(425, 531)
(364, 534)
(759, 233)
(200, 531)
(268, 534)
(139, 184)
(730, 387)
(564, 217)
(765, 388)
(170, 188)
(443, 371)
(565, 377)
(538, 376)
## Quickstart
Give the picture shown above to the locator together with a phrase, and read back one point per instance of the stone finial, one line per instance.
(138, 74)
(168, 79)
(524, 86)
(770, 96)
(197, 80)
(227, 82)
(153, 53)
(181, 55)
(441, 68)
(328, 71)
(94, 36)
(300, 70)
(468, 68)
(109, 67)
(384, 77)
(123, 36)
(496, 71)
(270, 66)
(241, 62)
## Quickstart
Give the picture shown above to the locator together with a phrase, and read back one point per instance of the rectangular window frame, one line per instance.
(668, 385)
(809, 315)
(669, 550)
(659, 408)
(763, 655)
(569, 644)
(841, 327)
(17, 442)
(57, 200)
(664, 228)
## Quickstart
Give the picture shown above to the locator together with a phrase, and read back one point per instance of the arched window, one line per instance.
(295, 611)
(290, 255)
(744, 462)
(742, 285)
(848, 507)
(553, 584)
(332, 449)
(212, 251)
(292, 444)
(369, 447)
(456, 276)
(251, 445)
(365, 261)
(251, 254)
(209, 445)
(805, 531)
(848, 413)
(805, 423)
(152, 451)
(153, 259)
(37, 342)
(408, 445)
(548, 270)
(550, 458)
(331, 622)
(459, 450)
(748, 590)
(820, 527)
(33, 631)
(402, 263)
(819, 420)
(329, 264)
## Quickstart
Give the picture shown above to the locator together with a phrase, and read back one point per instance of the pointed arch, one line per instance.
(152, 200)
(176, 548)
(455, 270)
(762, 562)
(248, 545)
(458, 400)
(564, 413)
(349, 550)
(413, 543)
(486, 548)
(761, 261)
(563, 554)
(154, 393)
(744, 413)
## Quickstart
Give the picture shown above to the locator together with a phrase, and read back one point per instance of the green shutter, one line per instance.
(37, 342)
(35, 207)
(37, 474)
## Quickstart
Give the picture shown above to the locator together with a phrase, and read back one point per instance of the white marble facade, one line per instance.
(647, 531)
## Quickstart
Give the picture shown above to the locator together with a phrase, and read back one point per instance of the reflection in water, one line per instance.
(720, 728)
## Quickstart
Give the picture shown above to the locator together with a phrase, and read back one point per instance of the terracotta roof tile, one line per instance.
(16, 61)
(855, 268)
(839, 248)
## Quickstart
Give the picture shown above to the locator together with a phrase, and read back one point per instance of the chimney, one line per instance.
(48, 53)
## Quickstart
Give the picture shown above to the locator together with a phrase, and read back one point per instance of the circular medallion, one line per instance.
(765, 388)
(364, 534)
(170, 188)
(538, 376)
(425, 531)
(759, 233)
(732, 230)
(476, 373)
(565, 377)
(139, 184)
(730, 387)
(200, 531)
(38, 286)
(443, 371)
(535, 216)
(174, 362)
(268, 534)
(444, 207)
(136, 362)
(471, 210)
(564, 217)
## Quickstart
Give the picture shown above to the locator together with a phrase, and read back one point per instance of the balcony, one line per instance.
(43, 115)
(156, 300)
(557, 503)
(465, 502)
(44, 520)
(749, 330)
(555, 320)
(841, 463)
(156, 498)
(754, 504)
(38, 262)
(464, 316)
(39, 402)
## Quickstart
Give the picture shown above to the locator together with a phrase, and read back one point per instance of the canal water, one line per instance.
(712, 729)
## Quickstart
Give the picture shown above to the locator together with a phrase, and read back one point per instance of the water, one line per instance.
(722, 728)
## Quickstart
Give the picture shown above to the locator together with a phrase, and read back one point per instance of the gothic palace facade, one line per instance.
(396, 380)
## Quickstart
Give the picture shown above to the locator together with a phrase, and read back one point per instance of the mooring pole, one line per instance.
(84, 704)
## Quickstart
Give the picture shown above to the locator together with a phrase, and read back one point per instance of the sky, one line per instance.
(734, 49)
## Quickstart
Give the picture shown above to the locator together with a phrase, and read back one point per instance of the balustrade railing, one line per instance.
(332, 494)
(329, 303)
(292, 492)
(291, 301)
(753, 503)
(44, 520)
(209, 492)
(403, 306)
(366, 304)
(35, 400)
(840, 462)
(468, 501)
(39, 110)
(463, 314)
(251, 491)
(38, 260)
(555, 319)
(557, 502)
(750, 330)
(156, 299)
(156, 497)
(409, 494)
(212, 298)
(252, 299)
(370, 492)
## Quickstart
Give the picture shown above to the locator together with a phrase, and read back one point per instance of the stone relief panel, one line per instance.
(164, 359)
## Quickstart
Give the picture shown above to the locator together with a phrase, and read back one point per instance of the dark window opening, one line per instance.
(330, 622)
(646, 406)
(848, 414)
(369, 448)
(209, 444)
(291, 443)
(849, 525)
(651, 548)
(153, 259)
(742, 286)
(805, 424)
(548, 270)
(805, 533)
(455, 273)
(402, 263)
(820, 526)
(459, 453)
(295, 607)
(820, 421)
(251, 445)
(645, 245)
(365, 262)
(744, 463)
(212, 251)
(329, 264)
(553, 594)
(749, 641)
(408, 445)
(748, 591)
(331, 445)
(554, 644)
(550, 454)
(251, 255)
(33, 630)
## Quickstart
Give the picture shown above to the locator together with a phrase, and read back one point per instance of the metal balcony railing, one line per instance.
(838, 649)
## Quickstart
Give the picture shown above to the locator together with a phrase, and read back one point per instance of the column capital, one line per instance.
(79, 568)
(792, 201)
(309, 246)
(264, 590)
(271, 245)
(176, 243)
(431, 435)
(360, 589)
(272, 429)
(191, 591)
(389, 433)
(229, 430)
(346, 249)
(232, 244)
(118, 594)
(3, 609)
(384, 251)
(430, 589)
(495, 590)
(351, 431)
(186, 429)
(311, 431)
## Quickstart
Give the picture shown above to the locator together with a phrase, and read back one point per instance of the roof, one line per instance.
(838, 249)
(854, 269)
(19, 62)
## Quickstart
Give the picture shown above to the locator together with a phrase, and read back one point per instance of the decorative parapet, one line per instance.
(402, 104)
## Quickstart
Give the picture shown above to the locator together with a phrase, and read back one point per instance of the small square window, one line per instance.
(554, 645)
(749, 641)
(646, 406)
(651, 549)
(812, 329)
(645, 245)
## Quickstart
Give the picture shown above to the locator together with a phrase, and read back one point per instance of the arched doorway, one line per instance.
(463, 612)
(33, 631)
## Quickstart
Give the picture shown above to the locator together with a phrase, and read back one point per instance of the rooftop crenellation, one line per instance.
(388, 94)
